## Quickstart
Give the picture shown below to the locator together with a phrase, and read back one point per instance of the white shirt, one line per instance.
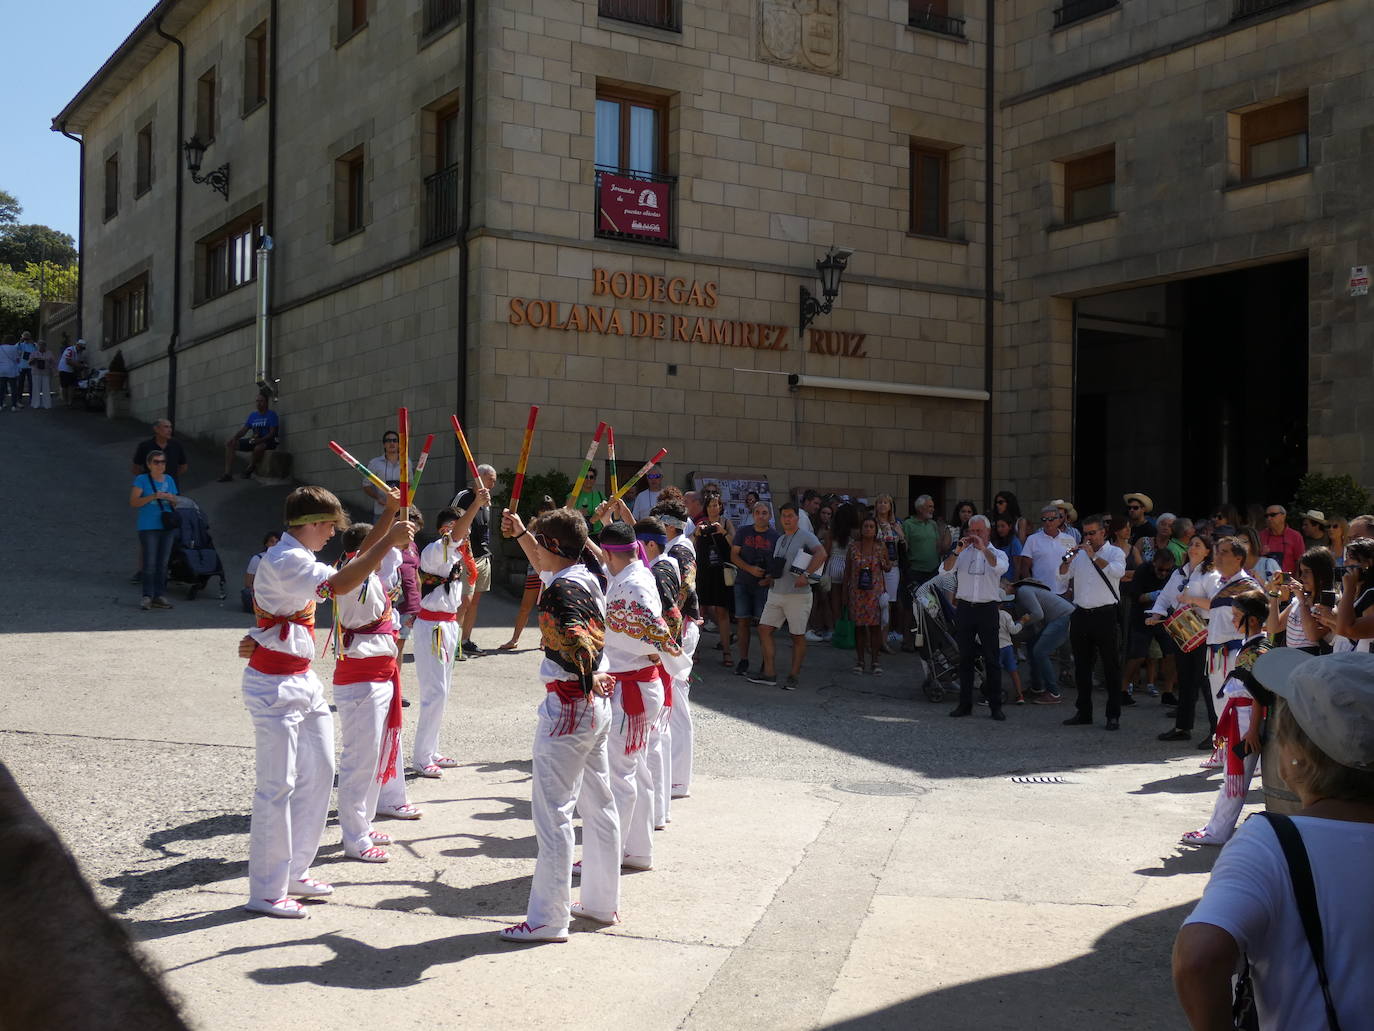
(1045, 554)
(9, 360)
(365, 605)
(289, 578)
(634, 618)
(549, 670)
(70, 360)
(979, 576)
(1187, 583)
(644, 501)
(437, 559)
(387, 472)
(1089, 591)
(1223, 629)
(1250, 897)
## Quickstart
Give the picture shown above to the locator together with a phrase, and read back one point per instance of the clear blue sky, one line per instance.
(67, 41)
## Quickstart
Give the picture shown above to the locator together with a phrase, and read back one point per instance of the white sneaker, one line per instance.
(636, 863)
(287, 908)
(814, 637)
(523, 932)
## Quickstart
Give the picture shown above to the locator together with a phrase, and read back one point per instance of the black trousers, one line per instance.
(1093, 632)
(1193, 681)
(975, 631)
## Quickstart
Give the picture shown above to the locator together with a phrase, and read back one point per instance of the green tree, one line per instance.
(9, 208)
(18, 310)
(51, 281)
(21, 244)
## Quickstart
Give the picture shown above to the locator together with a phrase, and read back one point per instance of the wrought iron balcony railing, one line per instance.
(1077, 10)
(923, 16)
(658, 14)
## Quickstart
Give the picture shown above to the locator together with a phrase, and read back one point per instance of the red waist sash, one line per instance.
(305, 617)
(1227, 737)
(381, 625)
(437, 617)
(632, 701)
(569, 694)
(372, 670)
(277, 664)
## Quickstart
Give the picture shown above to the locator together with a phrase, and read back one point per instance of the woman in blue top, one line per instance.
(153, 494)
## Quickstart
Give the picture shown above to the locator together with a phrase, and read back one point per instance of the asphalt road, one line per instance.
(850, 857)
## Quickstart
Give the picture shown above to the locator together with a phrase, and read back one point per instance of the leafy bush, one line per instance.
(18, 310)
(1331, 495)
(555, 484)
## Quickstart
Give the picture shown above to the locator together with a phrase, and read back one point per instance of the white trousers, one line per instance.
(681, 719)
(632, 783)
(293, 732)
(434, 670)
(660, 765)
(571, 771)
(362, 720)
(40, 396)
(1227, 809)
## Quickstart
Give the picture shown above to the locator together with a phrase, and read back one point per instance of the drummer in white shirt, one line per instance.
(978, 568)
(1095, 570)
(1191, 586)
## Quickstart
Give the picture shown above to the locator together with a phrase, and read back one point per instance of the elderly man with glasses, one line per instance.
(1044, 550)
(1280, 541)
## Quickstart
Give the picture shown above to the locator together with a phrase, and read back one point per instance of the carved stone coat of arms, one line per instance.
(802, 34)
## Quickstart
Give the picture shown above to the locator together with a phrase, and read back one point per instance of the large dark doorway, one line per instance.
(1194, 392)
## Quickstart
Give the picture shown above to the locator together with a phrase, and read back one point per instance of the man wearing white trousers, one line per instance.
(367, 697)
(436, 631)
(673, 515)
(637, 639)
(292, 728)
(571, 764)
(650, 534)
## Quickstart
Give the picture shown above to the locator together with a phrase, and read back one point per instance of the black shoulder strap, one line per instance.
(1305, 891)
(1098, 569)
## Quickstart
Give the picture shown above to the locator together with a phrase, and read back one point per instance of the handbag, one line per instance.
(843, 636)
(1243, 1015)
(169, 517)
(729, 573)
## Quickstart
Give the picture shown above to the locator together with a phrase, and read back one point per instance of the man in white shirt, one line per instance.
(978, 569)
(806, 513)
(69, 368)
(1044, 550)
(646, 499)
(1095, 570)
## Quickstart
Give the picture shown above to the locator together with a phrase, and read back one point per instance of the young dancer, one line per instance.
(293, 729)
(570, 744)
(367, 695)
(673, 515)
(443, 565)
(668, 579)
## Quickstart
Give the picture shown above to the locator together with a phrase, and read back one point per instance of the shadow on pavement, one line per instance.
(137, 887)
(197, 830)
(492, 898)
(1068, 997)
(1187, 860)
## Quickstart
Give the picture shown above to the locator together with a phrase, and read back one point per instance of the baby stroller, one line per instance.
(936, 647)
(194, 558)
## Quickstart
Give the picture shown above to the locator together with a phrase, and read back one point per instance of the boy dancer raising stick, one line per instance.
(442, 566)
(673, 516)
(570, 744)
(367, 694)
(292, 726)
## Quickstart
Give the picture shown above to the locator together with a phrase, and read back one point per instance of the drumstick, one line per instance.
(403, 431)
(610, 454)
(643, 470)
(463, 442)
(591, 456)
(377, 481)
(420, 466)
(519, 483)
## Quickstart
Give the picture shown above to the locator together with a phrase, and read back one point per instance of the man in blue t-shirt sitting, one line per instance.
(257, 435)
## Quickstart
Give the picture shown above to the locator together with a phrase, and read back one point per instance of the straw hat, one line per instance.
(1144, 499)
(1316, 517)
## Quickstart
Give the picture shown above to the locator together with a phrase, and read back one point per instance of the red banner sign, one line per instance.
(633, 206)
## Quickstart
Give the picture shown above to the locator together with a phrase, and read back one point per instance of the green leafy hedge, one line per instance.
(1331, 495)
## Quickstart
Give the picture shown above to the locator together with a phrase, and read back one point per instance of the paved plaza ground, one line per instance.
(849, 858)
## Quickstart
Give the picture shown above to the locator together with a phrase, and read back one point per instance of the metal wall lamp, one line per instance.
(830, 269)
(217, 179)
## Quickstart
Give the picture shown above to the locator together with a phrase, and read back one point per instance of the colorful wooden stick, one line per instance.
(586, 466)
(403, 431)
(420, 466)
(368, 474)
(610, 454)
(463, 443)
(643, 470)
(519, 483)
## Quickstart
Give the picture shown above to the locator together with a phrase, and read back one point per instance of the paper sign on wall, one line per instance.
(1359, 280)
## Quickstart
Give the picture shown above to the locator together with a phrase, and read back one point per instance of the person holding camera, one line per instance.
(154, 493)
(978, 569)
(1095, 569)
(1352, 618)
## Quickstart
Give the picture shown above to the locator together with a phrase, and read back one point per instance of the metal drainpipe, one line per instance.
(175, 337)
(266, 375)
(80, 229)
(461, 371)
(988, 215)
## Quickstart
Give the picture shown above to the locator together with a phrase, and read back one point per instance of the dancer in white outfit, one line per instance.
(367, 695)
(570, 745)
(1238, 726)
(673, 515)
(649, 532)
(445, 567)
(292, 727)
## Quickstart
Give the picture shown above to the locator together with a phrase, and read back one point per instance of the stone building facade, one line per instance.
(651, 183)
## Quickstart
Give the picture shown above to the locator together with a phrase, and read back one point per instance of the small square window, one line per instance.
(1273, 139)
(352, 18)
(1090, 186)
(126, 310)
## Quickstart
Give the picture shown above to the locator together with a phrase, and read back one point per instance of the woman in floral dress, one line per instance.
(865, 564)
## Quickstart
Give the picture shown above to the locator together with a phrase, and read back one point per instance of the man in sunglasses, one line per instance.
(1044, 550)
(1138, 509)
(1280, 541)
(387, 466)
(647, 498)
